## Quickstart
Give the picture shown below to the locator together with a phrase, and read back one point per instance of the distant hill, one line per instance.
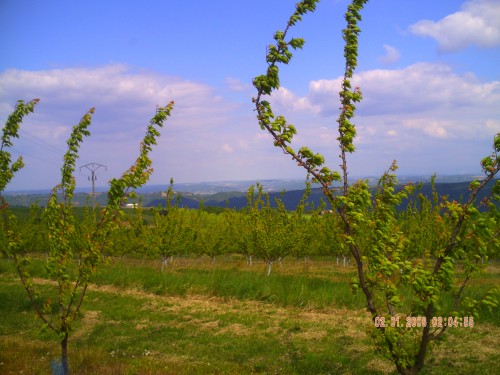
(458, 191)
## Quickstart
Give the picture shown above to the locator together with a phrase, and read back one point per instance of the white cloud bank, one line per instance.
(415, 115)
(460, 103)
(477, 24)
(115, 90)
(192, 146)
(422, 109)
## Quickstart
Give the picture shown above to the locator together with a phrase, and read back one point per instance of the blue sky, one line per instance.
(428, 71)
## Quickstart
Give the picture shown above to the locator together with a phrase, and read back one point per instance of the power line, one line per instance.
(25, 154)
(41, 142)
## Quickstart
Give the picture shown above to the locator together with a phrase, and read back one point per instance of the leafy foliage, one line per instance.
(404, 266)
(10, 131)
(75, 252)
(10, 236)
(170, 233)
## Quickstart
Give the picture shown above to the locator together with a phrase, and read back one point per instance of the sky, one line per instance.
(428, 71)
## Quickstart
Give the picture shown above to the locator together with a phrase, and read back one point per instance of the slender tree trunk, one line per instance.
(269, 267)
(64, 355)
(424, 342)
(164, 262)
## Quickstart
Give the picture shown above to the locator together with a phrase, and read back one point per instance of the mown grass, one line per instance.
(312, 284)
(200, 318)
(245, 283)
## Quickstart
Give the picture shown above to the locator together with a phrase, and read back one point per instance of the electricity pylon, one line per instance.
(93, 167)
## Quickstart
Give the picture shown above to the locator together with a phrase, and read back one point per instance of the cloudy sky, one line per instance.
(428, 71)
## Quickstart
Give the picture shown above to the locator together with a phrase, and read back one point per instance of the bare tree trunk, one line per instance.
(424, 341)
(64, 355)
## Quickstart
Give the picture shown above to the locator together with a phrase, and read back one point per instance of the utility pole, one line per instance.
(93, 167)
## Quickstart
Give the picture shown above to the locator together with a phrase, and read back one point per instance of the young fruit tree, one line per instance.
(240, 233)
(9, 236)
(169, 234)
(273, 233)
(75, 252)
(407, 286)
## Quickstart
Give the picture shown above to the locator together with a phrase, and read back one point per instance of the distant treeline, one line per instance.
(238, 200)
(455, 192)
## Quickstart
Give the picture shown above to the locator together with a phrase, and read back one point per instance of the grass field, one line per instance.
(225, 318)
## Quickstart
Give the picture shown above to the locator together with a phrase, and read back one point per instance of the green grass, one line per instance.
(193, 335)
(227, 318)
(317, 285)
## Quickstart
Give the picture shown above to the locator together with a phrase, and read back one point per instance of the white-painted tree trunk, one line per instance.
(269, 267)
(346, 260)
(164, 262)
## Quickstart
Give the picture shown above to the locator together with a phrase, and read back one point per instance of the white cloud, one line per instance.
(227, 148)
(391, 56)
(478, 23)
(493, 125)
(236, 85)
(285, 98)
(433, 128)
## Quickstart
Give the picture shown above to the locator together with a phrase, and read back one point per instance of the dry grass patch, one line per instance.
(235, 329)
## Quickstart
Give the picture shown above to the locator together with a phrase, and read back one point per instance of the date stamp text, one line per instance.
(422, 321)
